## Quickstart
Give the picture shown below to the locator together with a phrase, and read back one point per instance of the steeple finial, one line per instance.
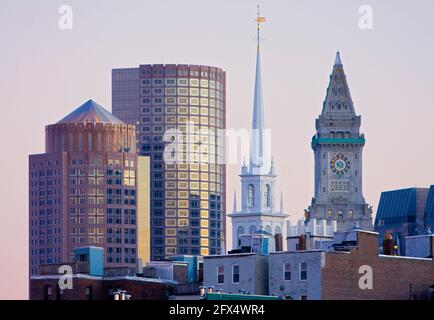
(338, 61)
(259, 19)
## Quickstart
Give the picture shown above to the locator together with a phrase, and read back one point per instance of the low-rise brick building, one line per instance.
(87, 287)
(85, 278)
(352, 270)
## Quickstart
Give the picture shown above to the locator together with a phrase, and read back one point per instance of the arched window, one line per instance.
(240, 231)
(251, 196)
(277, 230)
(268, 229)
(268, 196)
(252, 229)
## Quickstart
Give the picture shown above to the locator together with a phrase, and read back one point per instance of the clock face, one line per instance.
(340, 164)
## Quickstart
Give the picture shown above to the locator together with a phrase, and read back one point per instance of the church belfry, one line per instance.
(258, 180)
(338, 146)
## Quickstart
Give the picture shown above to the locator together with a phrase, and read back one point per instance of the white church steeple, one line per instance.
(258, 211)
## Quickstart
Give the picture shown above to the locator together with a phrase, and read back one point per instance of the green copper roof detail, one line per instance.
(316, 140)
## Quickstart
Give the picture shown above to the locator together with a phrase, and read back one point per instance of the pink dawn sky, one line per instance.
(47, 72)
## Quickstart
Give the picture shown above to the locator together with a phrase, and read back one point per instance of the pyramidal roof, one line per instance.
(90, 112)
(338, 100)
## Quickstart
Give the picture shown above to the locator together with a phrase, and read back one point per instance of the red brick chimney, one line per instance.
(302, 242)
(278, 239)
(388, 245)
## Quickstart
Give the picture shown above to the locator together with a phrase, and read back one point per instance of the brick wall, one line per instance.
(139, 290)
(393, 277)
(180, 274)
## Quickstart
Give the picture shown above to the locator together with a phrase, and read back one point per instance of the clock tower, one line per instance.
(338, 146)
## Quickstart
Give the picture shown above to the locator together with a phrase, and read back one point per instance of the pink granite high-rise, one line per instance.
(89, 188)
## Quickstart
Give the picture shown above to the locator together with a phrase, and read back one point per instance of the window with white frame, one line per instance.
(303, 271)
(287, 271)
(220, 274)
(235, 273)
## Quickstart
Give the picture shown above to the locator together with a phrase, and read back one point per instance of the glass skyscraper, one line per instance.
(182, 103)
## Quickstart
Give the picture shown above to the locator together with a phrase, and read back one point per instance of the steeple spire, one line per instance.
(257, 148)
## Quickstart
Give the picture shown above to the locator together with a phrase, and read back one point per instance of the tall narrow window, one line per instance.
(80, 142)
(220, 274)
(252, 230)
(88, 292)
(48, 292)
(71, 142)
(303, 271)
(287, 271)
(268, 196)
(240, 231)
(251, 196)
(89, 142)
(99, 143)
(235, 273)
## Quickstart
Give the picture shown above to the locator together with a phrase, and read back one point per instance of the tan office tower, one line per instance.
(187, 199)
(89, 188)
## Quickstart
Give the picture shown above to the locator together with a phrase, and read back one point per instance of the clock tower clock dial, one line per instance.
(340, 165)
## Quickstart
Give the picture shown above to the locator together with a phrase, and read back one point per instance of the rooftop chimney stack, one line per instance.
(388, 245)
(278, 239)
(302, 243)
